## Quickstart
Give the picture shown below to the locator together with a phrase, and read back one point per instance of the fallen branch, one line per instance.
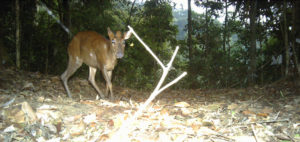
(254, 133)
(8, 103)
(260, 122)
(122, 133)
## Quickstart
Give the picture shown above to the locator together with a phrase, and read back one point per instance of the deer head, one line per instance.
(118, 41)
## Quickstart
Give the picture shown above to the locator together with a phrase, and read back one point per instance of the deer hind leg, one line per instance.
(73, 65)
(92, 80)
(107, 77)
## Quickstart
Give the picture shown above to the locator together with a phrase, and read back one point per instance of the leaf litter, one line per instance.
(35, 107)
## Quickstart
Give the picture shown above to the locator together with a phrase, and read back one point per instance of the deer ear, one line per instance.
(110, 33)
(127, 35)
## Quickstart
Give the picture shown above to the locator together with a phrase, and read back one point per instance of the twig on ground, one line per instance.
(255, 100)
(258, 98)
(277, 115)
(254, 133)
(289, 135)
(9, 102)
(226, 138)
(260, 122)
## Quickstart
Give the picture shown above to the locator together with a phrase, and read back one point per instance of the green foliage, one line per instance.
(139, 69)
(208, 61)
(92, 15)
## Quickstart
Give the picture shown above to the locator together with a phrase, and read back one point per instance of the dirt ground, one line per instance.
(35, 107)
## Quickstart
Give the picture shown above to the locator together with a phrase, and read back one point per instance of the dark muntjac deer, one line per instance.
(96, 51)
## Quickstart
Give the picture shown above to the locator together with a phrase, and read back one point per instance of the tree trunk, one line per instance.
(66, 17)
(286, 42)
(252, 51)
(18, 37)
(225, 42)
(189, 43)
(189, 40)
(225, 28)
(295, 59)
(262, 68)
(47, 49)
(260, 52)
(130, 13)
(297, 26)
(206, 31)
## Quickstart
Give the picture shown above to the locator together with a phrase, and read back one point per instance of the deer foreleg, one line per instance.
(107, 77)
(109, 73)
(92, 81)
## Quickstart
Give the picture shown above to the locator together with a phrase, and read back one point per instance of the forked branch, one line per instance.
(125, 129)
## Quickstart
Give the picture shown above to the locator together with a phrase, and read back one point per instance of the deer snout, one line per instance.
(120, 54)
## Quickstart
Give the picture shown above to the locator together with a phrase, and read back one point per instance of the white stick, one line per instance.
(173, 57)
(172, 82)
(125, 128)
(146, 46)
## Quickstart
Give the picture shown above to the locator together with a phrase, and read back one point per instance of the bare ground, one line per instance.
(34, 107)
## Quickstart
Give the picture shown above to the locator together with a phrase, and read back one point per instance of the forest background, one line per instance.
(257, 42)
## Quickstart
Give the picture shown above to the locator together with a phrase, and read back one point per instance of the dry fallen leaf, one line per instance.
(164, 137)
(206, 131)
(267, 110)
(41, 99)
(164, 111)
(26, 108)
(263, 114)
(182, 104)
(232, 106)
(58, 127)
(157, 107)
(87, 102)
(208, 124)
(103, 138)
(214, 107)
(93, 125)
(117, 122)
(19, 117)
(28, 86)
(110, 123)
(185, 111)
(248, 112)
(77, 129)
(90, 118)
(196, 127)
(11, 128)
(135, 140)
(244, 138)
